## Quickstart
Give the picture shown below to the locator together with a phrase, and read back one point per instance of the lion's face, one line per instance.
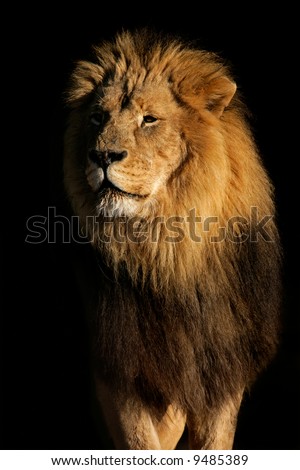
(145, 131)
(134, 144)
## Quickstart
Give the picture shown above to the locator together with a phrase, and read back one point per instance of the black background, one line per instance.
(47, 402)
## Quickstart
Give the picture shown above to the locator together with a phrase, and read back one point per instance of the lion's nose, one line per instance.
(105, 158)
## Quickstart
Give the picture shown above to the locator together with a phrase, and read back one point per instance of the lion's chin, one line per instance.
(109, 189)
(114, 202)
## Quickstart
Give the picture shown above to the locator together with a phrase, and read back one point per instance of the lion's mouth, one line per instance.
(108, 188)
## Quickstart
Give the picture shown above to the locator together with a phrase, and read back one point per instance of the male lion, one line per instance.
(162, 170)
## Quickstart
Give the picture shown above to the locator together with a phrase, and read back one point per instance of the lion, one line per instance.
(183, 286)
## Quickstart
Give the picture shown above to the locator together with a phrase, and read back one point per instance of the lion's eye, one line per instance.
(149, 119)
(96, 119)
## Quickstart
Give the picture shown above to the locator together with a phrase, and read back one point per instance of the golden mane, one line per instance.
(221, 175)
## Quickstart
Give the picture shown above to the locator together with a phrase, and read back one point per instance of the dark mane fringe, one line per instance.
(196, 346)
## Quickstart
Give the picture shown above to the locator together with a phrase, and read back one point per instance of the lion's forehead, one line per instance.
(145, 96)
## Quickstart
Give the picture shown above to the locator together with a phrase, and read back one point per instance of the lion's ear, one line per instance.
(219, 92)
(83, 81)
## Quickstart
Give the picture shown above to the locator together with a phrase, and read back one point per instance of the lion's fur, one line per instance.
(191, 322)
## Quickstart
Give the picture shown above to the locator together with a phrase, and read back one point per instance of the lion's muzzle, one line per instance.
(98, 177)
(105, 158)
